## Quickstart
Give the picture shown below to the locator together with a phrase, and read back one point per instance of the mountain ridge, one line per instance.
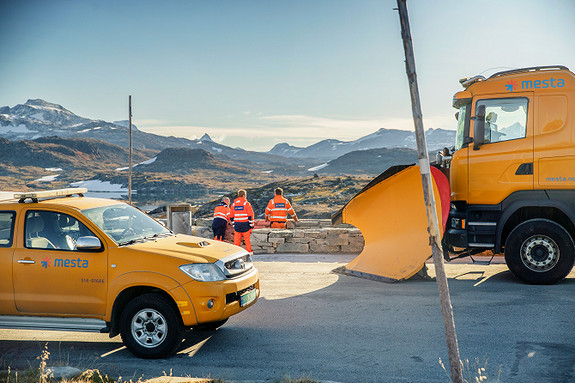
(38, 118)
(383, 138)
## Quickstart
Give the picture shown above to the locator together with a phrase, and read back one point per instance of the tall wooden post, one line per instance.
(130, 154)
(426, 179)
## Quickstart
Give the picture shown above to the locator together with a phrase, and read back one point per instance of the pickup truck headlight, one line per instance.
(203, 272)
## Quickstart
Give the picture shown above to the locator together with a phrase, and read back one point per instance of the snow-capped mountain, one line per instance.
(383, 138)
(39, 118)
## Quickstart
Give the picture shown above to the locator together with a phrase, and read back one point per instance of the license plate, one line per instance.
(247, 298)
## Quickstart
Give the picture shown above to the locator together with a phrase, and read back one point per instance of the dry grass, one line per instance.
(474, 372)
(42, 375)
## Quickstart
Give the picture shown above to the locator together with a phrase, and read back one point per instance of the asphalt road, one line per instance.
(311, 322)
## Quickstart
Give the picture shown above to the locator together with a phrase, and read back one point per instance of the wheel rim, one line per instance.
(149, 328)
(540, 253)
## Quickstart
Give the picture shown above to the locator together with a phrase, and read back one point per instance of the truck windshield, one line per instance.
(125, 224)
(461, 127)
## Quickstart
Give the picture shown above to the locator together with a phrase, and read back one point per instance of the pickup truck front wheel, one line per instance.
(540, 251)
(150, 326)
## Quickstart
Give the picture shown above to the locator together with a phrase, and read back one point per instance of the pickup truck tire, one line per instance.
(540, 251)
(150, 326)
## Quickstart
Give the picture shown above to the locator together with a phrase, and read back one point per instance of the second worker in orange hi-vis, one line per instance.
(242, 215)
(221, 219)
(278, 209)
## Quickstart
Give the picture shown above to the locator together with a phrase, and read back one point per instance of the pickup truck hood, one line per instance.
(189, 248)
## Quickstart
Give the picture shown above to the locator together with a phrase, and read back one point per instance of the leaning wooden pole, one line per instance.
(426, 179)
(130, 152)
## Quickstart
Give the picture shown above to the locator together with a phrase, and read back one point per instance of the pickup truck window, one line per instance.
(6, 228)
(51, 230)
(505, 118)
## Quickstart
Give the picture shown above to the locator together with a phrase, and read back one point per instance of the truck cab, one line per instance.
(512, 174)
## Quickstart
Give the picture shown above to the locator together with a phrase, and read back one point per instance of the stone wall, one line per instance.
(308, 236)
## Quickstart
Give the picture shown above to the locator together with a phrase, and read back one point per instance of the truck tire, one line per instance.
(539, 251)
(150, 326)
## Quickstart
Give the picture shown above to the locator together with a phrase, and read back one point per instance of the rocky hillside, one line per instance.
(69, 153)
(312, 197)
(372, 161)
(185, 161)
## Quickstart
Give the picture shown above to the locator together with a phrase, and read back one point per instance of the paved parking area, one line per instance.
(312, 322)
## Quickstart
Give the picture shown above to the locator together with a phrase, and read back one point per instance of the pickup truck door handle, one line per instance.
(26, 261)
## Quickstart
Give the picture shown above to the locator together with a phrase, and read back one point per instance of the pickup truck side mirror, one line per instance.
(88, 243)
(479, 127)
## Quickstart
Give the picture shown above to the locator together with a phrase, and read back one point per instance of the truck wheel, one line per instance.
(539, 251)
(150, 327)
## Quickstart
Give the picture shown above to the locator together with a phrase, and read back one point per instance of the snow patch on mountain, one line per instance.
(102, 189)
(147, 162)
(316, 168)
(49, 178)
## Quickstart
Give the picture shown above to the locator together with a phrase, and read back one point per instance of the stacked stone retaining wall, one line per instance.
(307, 236)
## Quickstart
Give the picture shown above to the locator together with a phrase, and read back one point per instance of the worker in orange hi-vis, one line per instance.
(278, 209)
(242, 215)
(221, 219)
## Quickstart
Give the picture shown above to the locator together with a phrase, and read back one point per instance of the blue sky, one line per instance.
(260, 72)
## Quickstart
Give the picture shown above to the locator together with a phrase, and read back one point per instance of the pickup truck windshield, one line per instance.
(125, 224)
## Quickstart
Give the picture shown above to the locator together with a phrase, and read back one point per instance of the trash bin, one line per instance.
(180, 218)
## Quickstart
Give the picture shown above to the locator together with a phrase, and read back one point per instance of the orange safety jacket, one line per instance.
(222, 211)
(242, 214)
(278, 209)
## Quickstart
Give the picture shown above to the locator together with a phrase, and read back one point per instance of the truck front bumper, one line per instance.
(216, 301)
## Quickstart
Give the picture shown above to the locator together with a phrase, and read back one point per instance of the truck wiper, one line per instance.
(132, 241)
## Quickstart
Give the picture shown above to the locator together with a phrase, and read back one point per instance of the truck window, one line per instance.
(6, 228)
(52, 230)
(462, 126)
(505, 119)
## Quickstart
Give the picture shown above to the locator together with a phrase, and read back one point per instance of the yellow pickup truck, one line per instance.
(72, 263)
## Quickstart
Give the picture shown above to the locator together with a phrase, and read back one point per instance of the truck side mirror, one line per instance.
(88, 243)
(479, 127)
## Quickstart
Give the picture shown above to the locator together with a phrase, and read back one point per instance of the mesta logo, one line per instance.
(511, 86)
(80, 263)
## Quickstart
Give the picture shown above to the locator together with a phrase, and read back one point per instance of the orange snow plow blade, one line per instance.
(390, 213)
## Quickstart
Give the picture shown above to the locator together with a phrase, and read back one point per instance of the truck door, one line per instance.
(554, 143)
(504, 161)
(50, 275)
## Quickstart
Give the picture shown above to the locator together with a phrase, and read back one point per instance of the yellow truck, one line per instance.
(72, 263)
(512, 174)
(511, 186)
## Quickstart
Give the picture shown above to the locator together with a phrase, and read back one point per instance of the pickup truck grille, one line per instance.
(236, 265)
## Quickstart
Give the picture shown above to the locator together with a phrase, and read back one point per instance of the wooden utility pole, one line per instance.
(426, 179)
(130, 154)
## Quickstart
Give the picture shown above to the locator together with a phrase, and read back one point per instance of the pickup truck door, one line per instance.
(50, 275)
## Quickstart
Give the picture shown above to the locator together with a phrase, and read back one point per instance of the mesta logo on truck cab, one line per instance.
(536, 84)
